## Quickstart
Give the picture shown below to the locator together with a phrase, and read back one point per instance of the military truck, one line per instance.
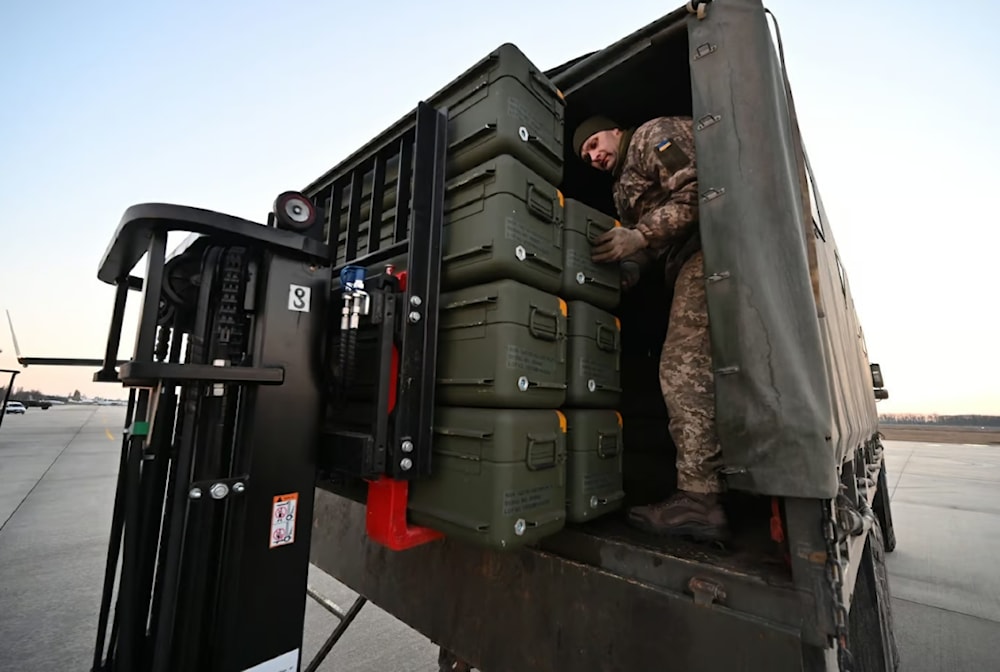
(414, 377)
(803, 586)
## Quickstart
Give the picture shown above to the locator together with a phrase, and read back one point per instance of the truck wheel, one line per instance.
(872, 630)
(883, 510)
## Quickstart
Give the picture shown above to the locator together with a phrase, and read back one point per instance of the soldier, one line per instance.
(656, 194)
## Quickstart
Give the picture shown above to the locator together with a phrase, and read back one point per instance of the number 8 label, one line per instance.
(298, 298)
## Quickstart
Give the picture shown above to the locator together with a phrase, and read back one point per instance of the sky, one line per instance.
(224, 105)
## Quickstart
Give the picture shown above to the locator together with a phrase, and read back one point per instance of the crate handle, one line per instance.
(544, 206)
(481, 132)
(607, 343)
(458, 305)
(593, 225)
(464, 433)
(608, 445)
(547, 85)
(478, 176)
(540, 329)
(465, 254)
(541, 452)
(472, 382)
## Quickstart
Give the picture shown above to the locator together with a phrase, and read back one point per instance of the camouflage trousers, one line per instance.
(688, 384)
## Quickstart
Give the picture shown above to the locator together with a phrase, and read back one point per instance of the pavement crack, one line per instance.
(900, 477)
(985, 619)
(47, 469)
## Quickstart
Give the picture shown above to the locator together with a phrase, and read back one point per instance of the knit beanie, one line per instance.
(588, 127)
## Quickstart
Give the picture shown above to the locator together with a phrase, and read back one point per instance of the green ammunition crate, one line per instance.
(504, 105)
(499, 476)
(502, 345)
(501, 105)
(583, 279)
(593, 378)
(502, 220)
(594, 444)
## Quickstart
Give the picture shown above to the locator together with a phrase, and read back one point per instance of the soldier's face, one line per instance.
(601, 149)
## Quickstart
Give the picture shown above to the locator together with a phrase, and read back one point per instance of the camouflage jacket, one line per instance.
(656, 186)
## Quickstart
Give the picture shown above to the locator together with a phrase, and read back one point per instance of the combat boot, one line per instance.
(684, 514)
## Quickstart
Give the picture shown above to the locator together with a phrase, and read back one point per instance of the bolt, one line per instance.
(594, 502)
(592, 385)
(522, 383)
(581, 278)
(195, 493)
(520, 526)
(415, 301)
(238, 488)
(406, 463)
(407, 446)
(414, 316)
(219, 490)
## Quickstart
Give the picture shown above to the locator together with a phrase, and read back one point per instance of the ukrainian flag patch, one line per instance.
(671, 156)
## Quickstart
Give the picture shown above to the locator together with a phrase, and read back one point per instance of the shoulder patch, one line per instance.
(671, 155)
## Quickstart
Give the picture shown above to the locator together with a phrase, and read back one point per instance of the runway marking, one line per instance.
(111, 437)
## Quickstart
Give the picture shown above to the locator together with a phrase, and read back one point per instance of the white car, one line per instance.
(15, 407)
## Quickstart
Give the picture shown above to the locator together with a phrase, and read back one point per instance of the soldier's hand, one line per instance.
(616, 244)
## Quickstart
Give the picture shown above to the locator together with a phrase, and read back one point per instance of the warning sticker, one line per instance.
(283, 514)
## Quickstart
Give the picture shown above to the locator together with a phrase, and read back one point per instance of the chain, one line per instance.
(835, 575)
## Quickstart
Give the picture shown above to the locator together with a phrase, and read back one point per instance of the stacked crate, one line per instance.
(525, 431)
(593, 379)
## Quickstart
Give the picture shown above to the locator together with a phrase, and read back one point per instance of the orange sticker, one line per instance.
(284, 511)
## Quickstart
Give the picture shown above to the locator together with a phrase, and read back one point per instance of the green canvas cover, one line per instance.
(501, 344)
(791, 401)
(499, 476)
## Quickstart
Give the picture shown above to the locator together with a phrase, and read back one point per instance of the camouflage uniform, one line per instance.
(656, 192)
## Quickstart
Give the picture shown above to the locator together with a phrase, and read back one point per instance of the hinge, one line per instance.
(712, 194)
(708, 120)
(706, 591)
(703, 50)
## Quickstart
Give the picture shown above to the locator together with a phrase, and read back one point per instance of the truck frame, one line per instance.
(237, 383)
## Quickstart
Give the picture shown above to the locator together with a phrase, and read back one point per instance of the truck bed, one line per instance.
(598, 596)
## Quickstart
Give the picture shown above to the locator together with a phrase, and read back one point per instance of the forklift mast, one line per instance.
(243, 365)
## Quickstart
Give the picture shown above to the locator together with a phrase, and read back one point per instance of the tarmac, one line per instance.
(58, 470)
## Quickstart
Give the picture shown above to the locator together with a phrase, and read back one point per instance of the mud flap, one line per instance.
(883, 510)
(872, 629)
(883, 596)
